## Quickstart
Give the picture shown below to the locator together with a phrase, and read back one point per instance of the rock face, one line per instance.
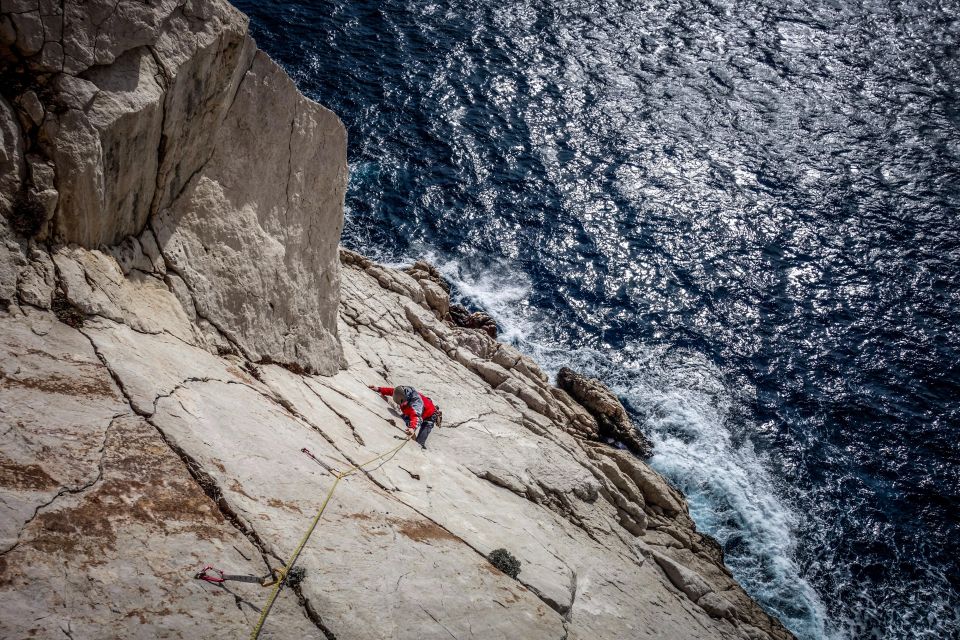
(153, 452)
(162, 126)
(170, 287)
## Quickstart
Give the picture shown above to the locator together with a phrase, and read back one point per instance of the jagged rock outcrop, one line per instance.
(613, 422)
(436, 291)
(162, 126)
(157, 381)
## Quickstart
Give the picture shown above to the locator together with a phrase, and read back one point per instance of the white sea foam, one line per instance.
(498, 290)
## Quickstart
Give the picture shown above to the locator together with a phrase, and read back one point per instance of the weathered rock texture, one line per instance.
(132, 457)
(160, 128)
(613, 422)
(171, 209)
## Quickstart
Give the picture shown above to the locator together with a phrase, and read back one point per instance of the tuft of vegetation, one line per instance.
(296, 576)
(66, 311)
(505, 561)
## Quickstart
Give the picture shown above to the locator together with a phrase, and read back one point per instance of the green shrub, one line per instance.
(505, 561)
(296, 576)
(66, 311)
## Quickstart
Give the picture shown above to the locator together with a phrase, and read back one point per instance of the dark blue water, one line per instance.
(741, 215)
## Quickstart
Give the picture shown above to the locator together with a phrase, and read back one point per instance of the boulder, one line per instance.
(688, 581)
(436, 297)
(717, 606)
(612, 419)
(461, 317)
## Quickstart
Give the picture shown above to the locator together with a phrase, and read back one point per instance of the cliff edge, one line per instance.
(177, 323)
(159, 135)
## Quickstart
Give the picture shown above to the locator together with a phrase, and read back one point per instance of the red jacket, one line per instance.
(415, 408)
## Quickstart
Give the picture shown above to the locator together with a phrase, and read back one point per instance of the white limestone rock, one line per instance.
(130, 256)
(95, 283)
(158, 127)
(717, 606)
(56, 400)
(436, 297)
(107, 154)
(692, 584)
(153, 365)
(102, 525)
(363, 571)
(37, 280)
(254, 236)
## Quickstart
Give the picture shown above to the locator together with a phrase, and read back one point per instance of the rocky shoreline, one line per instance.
(177, 322)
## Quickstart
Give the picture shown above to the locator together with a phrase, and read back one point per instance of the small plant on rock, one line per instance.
(296, 576)
(505, 561)
(66, 311)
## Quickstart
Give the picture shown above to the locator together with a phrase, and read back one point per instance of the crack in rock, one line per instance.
(68, 490)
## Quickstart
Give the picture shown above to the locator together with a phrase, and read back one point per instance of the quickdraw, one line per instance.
(216, 576)
(291, 575)
(319, 462)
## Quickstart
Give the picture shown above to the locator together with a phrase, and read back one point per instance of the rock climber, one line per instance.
(417, 410)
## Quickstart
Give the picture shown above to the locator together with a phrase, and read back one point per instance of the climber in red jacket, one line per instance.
(417, 410)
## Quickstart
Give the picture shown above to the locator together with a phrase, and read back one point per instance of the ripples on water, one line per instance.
(742, 216)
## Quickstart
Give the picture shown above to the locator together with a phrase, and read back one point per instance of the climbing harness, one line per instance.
(287, 574)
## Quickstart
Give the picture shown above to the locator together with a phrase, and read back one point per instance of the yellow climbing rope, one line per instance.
(313, 525)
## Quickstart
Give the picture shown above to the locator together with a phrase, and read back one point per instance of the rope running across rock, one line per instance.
(313, 525)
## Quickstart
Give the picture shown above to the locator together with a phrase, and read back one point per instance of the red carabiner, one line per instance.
(209, 578)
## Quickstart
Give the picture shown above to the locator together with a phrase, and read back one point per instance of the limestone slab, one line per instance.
(254, 236)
